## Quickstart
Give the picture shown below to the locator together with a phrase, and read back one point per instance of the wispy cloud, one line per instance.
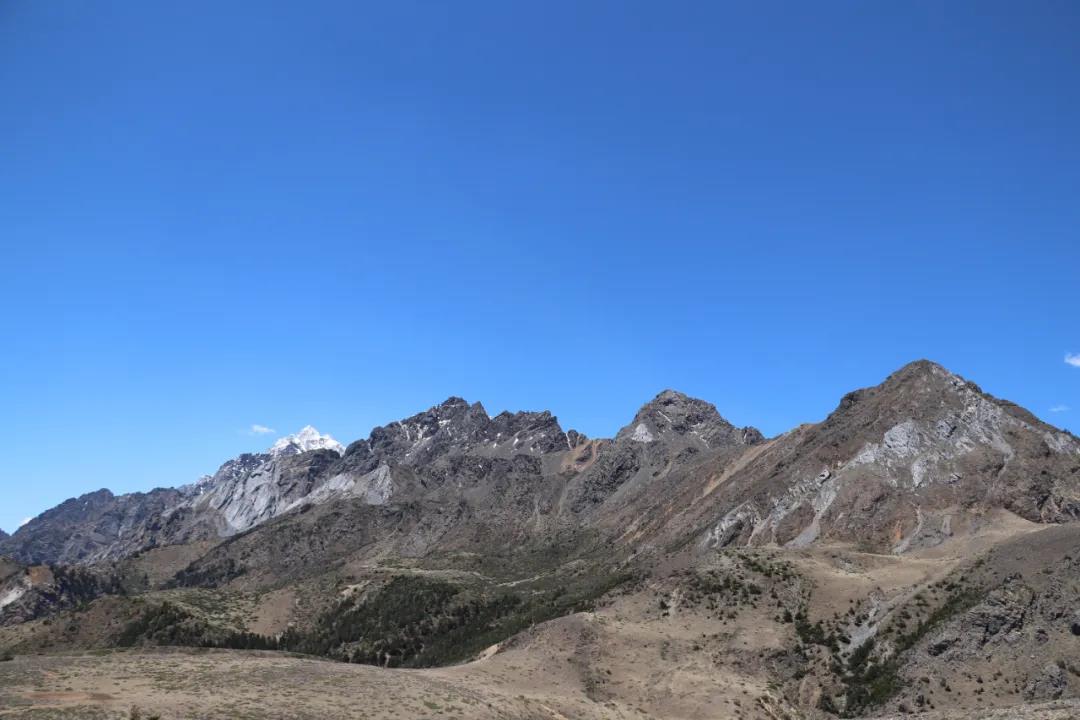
(1073, 359)
(261, 430)
(25, 520)
(1060, 408)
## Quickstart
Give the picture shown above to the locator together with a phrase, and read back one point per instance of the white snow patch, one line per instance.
(307, 439)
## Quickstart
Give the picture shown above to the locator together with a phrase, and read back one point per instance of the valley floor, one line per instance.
(235, 685)
(232, 684)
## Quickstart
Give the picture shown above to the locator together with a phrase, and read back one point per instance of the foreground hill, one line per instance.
(914, 552)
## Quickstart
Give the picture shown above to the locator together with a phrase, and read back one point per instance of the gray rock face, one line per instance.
(256, 488)
(942, 642)
(1004, 611)
(1049, 685)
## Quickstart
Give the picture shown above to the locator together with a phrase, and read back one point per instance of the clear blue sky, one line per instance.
(214, 215)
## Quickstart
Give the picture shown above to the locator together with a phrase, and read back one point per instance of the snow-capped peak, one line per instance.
(307, 439)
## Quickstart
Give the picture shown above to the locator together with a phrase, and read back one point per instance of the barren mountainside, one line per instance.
(915, 551)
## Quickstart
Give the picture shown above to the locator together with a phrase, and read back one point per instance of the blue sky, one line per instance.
(215, 215)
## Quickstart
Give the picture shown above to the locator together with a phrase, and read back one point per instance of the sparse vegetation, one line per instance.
(870, 678)
(211, 574)
(412, 621)
(169, 624)
(420, 622)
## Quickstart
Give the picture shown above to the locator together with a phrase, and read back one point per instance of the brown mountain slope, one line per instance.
(898, 466)
(684, 566)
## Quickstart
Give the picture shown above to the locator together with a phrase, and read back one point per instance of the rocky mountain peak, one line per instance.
(674, 414)
(924, 392)
(923, 367)
(927, 373)
(453, 416)
(456, 426)
(304, 441)
(904, 463)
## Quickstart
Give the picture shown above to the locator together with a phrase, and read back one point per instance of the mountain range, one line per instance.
(922, 536)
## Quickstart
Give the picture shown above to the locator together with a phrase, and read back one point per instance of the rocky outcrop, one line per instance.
(1048, 685)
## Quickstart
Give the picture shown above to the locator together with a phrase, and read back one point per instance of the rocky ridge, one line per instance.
(898, 466)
